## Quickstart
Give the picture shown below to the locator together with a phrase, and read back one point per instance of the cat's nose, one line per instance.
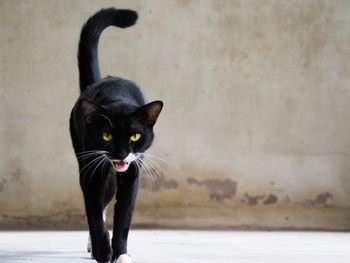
(121, 156)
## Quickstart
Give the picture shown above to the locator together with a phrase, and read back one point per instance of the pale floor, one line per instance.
(163, 246)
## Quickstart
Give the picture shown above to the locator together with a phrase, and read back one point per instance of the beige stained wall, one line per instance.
(255, 124)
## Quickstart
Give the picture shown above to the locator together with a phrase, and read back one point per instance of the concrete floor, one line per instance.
(164, 246)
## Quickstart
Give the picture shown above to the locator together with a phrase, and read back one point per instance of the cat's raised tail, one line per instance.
(89, 71)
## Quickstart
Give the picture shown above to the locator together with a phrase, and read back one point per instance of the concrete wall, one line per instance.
(256, 115)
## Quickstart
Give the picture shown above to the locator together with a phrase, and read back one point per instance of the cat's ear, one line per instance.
(149, 112)
(90, 110)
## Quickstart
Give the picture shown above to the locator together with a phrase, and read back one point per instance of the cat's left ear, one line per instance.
(90, 110)
(150, 111)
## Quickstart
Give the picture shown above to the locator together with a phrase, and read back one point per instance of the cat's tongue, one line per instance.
(120, 165)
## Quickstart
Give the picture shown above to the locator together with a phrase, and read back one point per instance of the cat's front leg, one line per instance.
(100, 240)
(89, 245)
(123, 212)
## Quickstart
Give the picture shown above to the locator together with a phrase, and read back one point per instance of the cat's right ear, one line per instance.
(90, 110)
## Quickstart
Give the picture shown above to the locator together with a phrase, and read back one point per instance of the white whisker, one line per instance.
(154, 163)
(99, 163)
(104, 164)
(152, 167)
(147, 171)
(163, 160)
(91, 163)
(89, 155)
(93, 151)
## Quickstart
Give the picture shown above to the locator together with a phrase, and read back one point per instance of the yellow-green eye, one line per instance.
(107, 136)
(135, 137)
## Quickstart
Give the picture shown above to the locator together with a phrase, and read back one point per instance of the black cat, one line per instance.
(111, 127)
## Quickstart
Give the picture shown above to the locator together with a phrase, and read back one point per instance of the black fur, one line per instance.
(118, 107)
(87, 56)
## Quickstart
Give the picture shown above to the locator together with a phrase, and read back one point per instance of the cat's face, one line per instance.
(123, 135)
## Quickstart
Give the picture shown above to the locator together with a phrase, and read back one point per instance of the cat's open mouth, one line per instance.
(123, 165)
(120, 166)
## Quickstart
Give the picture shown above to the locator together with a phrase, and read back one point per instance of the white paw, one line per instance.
(124, 258)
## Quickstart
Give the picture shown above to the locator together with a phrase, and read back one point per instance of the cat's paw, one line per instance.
(124, 258)
(102, 257)
(102, 252)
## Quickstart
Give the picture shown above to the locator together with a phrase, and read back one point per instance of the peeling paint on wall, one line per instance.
(219, 190)
(155, 184)
(271, 199)
(321, 199)
(252, 200)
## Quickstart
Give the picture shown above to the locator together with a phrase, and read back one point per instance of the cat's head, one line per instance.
(122, 132)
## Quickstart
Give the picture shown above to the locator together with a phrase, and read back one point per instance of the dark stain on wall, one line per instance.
(320, 200)
(271, 199)
(16, 174)
(2, 184)
(219, 190)
(68, 219)
(156, 184)
(252, 200)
